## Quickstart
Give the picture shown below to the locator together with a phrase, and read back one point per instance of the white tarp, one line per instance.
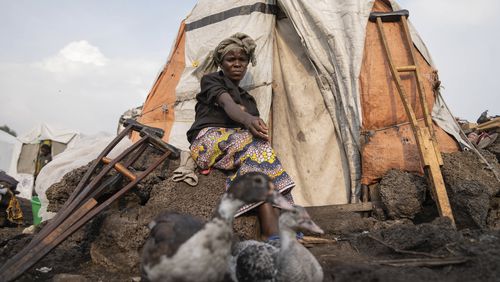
(303, 133)
(33, 137)
(7, 144)
(332, 36)
(78, 154)
(46, 132)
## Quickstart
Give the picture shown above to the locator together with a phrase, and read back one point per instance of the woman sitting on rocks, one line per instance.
(228, 133)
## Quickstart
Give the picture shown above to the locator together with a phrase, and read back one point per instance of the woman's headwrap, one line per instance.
(236, 41)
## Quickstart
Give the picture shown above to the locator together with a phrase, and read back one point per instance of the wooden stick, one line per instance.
(403, 251)
(417, 262)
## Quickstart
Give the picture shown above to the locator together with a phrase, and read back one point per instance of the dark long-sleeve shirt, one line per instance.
(209, 113)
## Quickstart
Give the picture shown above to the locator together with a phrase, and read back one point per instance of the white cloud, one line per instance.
(82, 51)
(73, 57)
(78, 88)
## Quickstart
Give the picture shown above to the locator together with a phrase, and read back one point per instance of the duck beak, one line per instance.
(309, 225)
(279, 201)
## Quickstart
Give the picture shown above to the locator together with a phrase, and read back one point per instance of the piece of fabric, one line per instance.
(209, 113)
(387, 138)
(332, 34)
(7, 147)
(236, 41)
(303, 134)
(237, 151)
(395, 148)
(442, 116)
(11, 181)
(158, 109)
(14, 212)
(186, 170)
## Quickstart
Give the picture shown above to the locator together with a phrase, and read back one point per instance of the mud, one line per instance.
(358, 258)
(404, 235)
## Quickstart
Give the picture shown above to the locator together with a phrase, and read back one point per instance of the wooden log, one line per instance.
(418, 262)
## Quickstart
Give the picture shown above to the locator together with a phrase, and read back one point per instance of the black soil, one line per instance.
(108, 247)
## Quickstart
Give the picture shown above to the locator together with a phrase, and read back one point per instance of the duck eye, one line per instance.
(259, 180)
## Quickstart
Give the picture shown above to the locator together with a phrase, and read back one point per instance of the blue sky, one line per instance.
(80, 64)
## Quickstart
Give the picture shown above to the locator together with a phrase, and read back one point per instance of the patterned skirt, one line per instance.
(236, 150)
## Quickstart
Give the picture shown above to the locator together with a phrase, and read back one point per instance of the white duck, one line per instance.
(283, 260)
(183, 248)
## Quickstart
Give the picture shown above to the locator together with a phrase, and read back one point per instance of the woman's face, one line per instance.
(234, 65)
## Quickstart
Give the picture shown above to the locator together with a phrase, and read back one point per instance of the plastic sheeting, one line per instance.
(442, 116)
(333, 34)
(46, 132)
(332, 37)
(78, 154)
(388, 142)
(303, 134)
(7, 144)
(158, 110)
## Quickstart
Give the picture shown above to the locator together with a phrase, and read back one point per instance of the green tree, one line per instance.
(8, 130)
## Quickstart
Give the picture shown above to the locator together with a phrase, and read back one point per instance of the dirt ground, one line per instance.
(108, 248)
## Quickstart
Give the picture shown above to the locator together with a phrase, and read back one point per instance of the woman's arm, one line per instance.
(255, 124)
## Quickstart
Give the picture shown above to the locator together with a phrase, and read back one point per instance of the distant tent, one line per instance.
(26, 156)
(7, 146)
(321, 81)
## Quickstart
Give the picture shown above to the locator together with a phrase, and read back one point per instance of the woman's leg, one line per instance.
(268, 218)
(239, 151)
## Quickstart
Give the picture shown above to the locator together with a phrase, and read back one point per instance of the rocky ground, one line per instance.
(406, 241)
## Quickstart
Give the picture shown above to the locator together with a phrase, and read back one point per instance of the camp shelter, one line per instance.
(25, 157)
(8, 144)
(322, 83)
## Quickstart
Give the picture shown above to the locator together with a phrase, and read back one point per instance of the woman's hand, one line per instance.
(236, 112)
(257, 127)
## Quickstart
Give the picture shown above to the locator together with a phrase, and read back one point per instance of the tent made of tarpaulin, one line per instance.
(32, 141)
(321, 81)
(7, 146)
(25, 157)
